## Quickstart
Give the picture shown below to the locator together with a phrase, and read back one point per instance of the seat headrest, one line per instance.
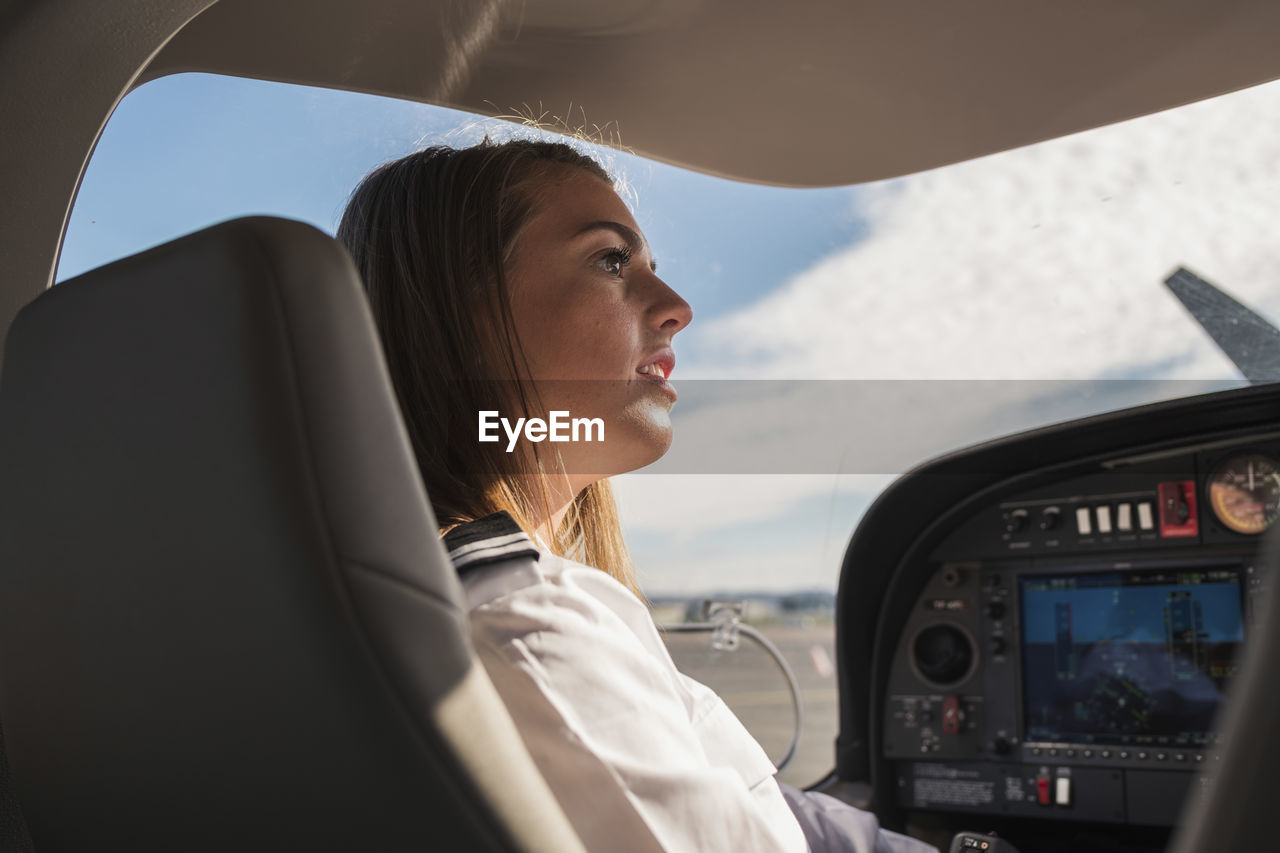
(226, 618)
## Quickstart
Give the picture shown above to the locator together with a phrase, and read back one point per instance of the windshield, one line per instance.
(840, 336)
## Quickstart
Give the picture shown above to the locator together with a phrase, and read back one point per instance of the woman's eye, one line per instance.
(615, 261)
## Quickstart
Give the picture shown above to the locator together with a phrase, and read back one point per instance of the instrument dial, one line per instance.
(943, 654)
(1244, 492)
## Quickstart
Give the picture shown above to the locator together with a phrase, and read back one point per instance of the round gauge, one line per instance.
(1244, 492)
(943, 654)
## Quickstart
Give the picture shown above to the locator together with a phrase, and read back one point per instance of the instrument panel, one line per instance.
(1072, 642)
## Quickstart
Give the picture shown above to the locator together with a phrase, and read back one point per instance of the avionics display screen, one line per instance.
(1128, 657)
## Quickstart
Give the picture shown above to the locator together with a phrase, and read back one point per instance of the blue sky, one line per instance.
(1043, 265)
(182, 152)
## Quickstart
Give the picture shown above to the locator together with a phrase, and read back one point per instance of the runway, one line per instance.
(751, 684)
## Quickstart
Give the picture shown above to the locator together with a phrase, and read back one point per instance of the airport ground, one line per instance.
(754, 687)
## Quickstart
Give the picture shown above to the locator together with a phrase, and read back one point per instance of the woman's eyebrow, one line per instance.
(628, 234)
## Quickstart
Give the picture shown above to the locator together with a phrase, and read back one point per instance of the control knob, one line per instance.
(1015, 520)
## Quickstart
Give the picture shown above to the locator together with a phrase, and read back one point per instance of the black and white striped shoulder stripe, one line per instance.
(487, 540)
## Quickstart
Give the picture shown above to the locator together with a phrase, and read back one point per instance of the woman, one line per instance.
(510, 281)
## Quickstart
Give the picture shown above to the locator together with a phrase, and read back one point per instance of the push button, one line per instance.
(1104, 519)
(1042, 790)
(1083, 523)
(1146, 519)
(1124, 517)
(1062, 791)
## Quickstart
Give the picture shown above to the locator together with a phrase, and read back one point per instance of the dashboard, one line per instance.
(1055, 637)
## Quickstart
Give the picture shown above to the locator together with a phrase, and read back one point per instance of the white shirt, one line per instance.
(641, 757)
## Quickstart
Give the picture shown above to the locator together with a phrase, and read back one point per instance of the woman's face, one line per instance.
(596, 324)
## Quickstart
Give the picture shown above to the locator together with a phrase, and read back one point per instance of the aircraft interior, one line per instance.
(218, 567)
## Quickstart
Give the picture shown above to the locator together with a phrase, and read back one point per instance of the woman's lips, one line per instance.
(658, 379)
(663, 361)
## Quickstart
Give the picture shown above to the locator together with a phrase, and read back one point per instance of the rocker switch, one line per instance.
(951, 716)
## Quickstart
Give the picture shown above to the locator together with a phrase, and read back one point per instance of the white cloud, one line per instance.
(701, 533)
(683, 505)
(1042, 262)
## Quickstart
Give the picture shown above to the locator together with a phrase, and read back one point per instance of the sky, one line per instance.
(839, 334)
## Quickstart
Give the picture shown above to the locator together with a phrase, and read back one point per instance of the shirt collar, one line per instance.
(488, 540)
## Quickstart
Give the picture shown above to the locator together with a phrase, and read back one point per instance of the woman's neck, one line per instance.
(560, 492)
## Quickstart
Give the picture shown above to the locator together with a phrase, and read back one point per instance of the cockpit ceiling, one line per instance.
(804, 93)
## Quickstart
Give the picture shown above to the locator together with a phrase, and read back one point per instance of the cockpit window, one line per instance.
(840, 336)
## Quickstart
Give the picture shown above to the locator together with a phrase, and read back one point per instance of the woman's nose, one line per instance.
(670, 312)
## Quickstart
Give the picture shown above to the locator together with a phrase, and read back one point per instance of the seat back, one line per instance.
(13, 827)
(1234, 810)
(225, 616)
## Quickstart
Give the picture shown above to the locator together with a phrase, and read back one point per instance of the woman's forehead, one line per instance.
(569, 204)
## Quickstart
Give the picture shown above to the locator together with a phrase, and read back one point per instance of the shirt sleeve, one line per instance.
(833, 826)
(638, 761)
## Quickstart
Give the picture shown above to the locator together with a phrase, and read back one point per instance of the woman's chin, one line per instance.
(628, 447)
(647, 436)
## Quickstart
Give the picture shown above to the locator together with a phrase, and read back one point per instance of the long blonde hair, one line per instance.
(431, 235)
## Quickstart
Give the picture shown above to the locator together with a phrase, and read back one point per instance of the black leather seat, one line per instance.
(14, 837)
(1234, 811)
(226, 620)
